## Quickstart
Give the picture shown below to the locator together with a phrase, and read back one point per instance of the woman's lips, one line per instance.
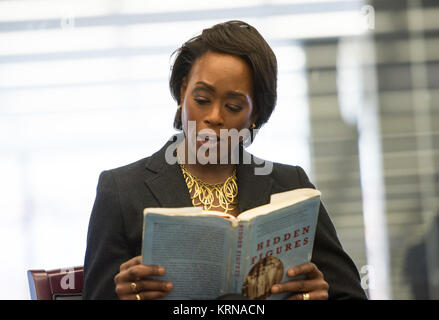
(208, 140)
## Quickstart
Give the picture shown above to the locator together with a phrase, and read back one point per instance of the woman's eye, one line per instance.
(234, 108)
(201, 101)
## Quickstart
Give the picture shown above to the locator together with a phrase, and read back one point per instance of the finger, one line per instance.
(132, 262)
(309, 269)
(138, 272)
(155, 285)
(300, 286)
(146, 295)
(145, 285)
(314, 295)
(299, 296)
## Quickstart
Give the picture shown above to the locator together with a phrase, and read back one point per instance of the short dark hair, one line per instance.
(236, 38)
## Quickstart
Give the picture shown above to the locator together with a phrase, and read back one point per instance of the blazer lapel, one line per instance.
(167, 185)
(253, 190)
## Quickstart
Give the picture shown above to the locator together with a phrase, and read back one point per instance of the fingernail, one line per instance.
(291, 273)
(275, 289)
(161, 270)
(169, 285)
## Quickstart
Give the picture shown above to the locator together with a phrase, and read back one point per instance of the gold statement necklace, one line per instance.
(204, 193)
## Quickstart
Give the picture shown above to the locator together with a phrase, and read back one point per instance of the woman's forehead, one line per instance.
(222, 71)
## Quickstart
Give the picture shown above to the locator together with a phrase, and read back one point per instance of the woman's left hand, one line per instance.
(314, 287)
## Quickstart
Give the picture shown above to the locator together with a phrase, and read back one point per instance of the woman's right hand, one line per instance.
(132, 281)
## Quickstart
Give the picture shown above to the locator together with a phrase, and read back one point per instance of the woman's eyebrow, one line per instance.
(235, 94)
(212, 88)
(208, 86)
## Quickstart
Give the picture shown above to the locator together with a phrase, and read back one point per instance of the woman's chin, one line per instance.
(212, 153)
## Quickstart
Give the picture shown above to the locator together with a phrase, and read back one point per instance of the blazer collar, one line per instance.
(167, 184)
(253, 190)
(169, 188)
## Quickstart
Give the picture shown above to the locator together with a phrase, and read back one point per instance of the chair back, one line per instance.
(57, 284)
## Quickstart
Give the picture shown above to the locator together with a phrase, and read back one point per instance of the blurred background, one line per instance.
(84, 88)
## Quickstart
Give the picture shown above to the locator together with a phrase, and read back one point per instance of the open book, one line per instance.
(208, 254)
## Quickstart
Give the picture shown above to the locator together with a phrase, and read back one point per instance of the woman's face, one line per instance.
(217, 94)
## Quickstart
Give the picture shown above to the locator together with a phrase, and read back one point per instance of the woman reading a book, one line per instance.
(223, 79)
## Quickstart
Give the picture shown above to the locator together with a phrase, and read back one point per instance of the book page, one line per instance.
(190, 211)
(194, 249)
(294, 196)
(276, 242)
(280, 200)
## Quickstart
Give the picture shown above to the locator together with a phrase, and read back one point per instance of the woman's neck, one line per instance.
(211, 173)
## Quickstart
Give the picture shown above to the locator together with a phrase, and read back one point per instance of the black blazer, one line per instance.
(115, 229)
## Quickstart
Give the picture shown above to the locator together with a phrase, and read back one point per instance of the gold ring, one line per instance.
(138, 297)
(133, 286)
(305, 296)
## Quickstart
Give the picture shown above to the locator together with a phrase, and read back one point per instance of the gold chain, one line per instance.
(204, 193)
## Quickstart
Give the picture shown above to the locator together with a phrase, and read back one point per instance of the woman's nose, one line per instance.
(214, 117)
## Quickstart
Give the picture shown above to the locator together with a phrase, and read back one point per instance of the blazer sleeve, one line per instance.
(107, 246)
(338, 269)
